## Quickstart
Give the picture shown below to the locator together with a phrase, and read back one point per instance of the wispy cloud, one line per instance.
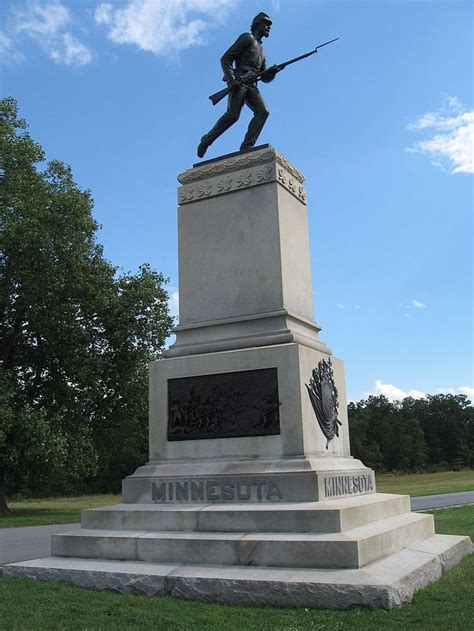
(163, 27)
(410, 306)
(8, 50)
(393, 393)
(173, 303)
(450, 144)
(467, 390)
(339, 305)
(47, 24)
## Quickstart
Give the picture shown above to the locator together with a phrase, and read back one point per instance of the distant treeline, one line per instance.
(428, 434)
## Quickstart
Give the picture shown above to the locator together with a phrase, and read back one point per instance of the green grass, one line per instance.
(55, 510)
(427, 483)
(446, 605)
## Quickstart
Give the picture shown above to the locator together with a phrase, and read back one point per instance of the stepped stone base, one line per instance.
(386, 583)
(365, 550)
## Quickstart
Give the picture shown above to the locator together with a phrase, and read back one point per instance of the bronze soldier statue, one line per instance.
(249, 58)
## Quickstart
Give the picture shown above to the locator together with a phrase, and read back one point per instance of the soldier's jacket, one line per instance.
(248, 56)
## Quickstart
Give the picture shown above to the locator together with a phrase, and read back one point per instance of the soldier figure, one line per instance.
(247, 53)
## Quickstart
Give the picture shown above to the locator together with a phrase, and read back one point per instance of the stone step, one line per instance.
(352, 548)
(386, 583)
(329, 516)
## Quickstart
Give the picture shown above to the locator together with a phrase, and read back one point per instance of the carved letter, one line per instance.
(345, 484)
(197, 490)
(228, 491)
(273, 489)
(260, 485)
(329, 486)
(182, 490)
(211, 491)
(158, 492)
(243, 489)
(170, 490)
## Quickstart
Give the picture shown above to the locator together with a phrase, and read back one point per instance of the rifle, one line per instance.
(256, 76)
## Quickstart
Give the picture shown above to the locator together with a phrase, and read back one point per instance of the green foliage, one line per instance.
(413, 435)
(75, 337)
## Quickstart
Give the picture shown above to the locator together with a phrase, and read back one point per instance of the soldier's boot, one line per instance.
(203, 147)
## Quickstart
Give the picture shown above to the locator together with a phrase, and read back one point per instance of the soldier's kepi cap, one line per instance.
(261, 17)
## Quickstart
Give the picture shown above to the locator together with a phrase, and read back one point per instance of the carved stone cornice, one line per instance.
(239, 172)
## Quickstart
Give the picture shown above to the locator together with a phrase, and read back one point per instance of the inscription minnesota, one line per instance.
(212, 490)
(258, 489)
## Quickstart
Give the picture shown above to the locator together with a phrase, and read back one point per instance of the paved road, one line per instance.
(30, 542)
(425, 502)
(33, 542)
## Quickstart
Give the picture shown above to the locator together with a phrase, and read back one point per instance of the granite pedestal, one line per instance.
(250, 494)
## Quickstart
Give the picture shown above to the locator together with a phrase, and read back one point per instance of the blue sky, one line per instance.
(380, 122)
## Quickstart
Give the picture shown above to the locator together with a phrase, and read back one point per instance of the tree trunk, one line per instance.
(3, 498)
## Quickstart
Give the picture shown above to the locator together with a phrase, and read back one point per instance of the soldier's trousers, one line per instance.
(250, 96)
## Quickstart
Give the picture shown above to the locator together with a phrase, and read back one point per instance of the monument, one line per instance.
(250, 494)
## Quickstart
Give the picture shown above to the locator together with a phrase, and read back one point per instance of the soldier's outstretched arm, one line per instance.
(235, 51)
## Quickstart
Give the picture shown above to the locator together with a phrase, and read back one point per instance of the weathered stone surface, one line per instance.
(244, 261)
(386, 583)
(330, 516)
(448, 551)
(300, 434)
(351, 548)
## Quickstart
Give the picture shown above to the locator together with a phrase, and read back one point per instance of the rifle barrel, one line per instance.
(311, 52)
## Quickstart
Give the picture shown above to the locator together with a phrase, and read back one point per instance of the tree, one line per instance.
(447, 421)
(75, 337)
(412, 435)
(363, 447)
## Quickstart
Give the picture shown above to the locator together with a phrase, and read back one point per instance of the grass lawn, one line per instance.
(67, 510)
(446, 605)
(427, 483)
(54, 510)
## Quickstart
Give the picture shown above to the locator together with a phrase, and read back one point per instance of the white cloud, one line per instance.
(173, 303)
(163, 27)
(467, 390)
(408, 307)
(446, 390)
(41, 20)
(73, 53)
(393, 393)
(8, 52)
(46, 23)
(451, 148)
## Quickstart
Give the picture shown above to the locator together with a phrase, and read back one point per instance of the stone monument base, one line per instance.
(366, 550)
(250, 494)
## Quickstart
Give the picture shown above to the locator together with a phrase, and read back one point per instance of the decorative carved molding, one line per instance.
(240, 179)
(238, 163)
